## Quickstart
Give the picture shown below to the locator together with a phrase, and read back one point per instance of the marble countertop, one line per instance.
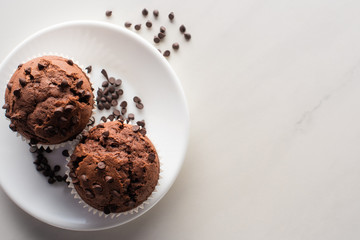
(273, 89)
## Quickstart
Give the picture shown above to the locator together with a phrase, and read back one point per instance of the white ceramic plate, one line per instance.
(145, 73)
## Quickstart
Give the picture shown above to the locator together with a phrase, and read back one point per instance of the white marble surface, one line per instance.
(273, 91)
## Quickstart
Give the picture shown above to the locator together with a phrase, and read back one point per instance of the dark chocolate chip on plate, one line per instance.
(105, 84)
(65, 153)
(111, 80)
(127, 24)
(176, 46)
(108, 13)
(140, 105)
(182, 28)
(156, 13)
(187, 36)
(171, 16)
(156, 39)
(166, 53)
(123, 104)
(89, 69)
(136, 99)
(162, 29)
(118, 82)
(161, 35)
(131, 116)
(137, 27)
(144, 12)
(148, 24)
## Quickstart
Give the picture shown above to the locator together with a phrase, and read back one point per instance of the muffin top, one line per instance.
(115, 168)
(49, 100)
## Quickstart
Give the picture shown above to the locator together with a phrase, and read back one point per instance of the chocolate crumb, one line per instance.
(161, 35)
(40, 66)
(89, 69)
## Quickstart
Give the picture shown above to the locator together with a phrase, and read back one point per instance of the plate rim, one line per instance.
(140, 40)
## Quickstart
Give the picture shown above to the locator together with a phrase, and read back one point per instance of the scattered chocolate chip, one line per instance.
(144, 12)
(112, 80)
(115, 193)
(103, 118)
(17, 93)
(111, 117)
(109, 179)
(156, 13)
(107, 105)
(131, 116)
(101, 165)
(156, 39)
(22, 82)
(79, 83)
(84, 178)
(104, 73)
(151, 157)
(116, 113)
(123, 104)
(171, 16)
(166, 53)
(88, 194)
(187, 36)
(128, 24)
(141, 123)
(9, 86)
(109, 99)
(112, 89)
(106, 134)
(120, 92)
(28, 71)
(182, 28)
(148, 24)
(100, 106)
(105, 84)
(143, 131)
(118, 82)
(136, 99)
(137, 27)
(114, 103)
(40, 66)
(89, 69)
(58, 178)
(108, 13)
(162, 29)
(135, 128)
(51, 180)
(70, 62)
(176, 46)
(123, 111)
(65, 153)
(97, 187)
(56, 168)
(114, 95)
(161, 35)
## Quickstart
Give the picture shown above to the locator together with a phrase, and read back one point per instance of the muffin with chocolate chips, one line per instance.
(49, 100)
(115, 168)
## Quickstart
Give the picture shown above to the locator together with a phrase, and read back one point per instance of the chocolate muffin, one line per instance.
(49, 100)
(115, 168)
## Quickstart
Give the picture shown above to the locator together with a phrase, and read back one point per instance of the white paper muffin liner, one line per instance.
(91, 119)
(101, 213)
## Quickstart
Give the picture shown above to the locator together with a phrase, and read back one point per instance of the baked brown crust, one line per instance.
(49, 100)
(114, 169)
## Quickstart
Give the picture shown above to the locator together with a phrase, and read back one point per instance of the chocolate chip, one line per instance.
(17, 93)
(12, 127)
(109, 99)
(40, 66)
(103, 99)
(64, 178)
(56, 168)
(135, 128)
(182, 28)
(89, 69)
(69, 108)
(120, 92)
(84, 178)
(156, 13)
(108, 13)
(176, 46)
(162, 29)
(22, 82)
(58, 178)
(70, 62)
(128, 24)
(141, 123)
(143, 131)
(137, 27)
(144, 12)
(151, 157)
(64, 83)
(114, 103)
(20, 65)
(6, 106)
(112, 80)
(123, 111)
(99, 92)
(100, 106)
(112, 89)
(131, 116)
(58, 111)
(148, 24)
(33, 149)
(97, 187)
(107, 210)
(116, 112)
(156, 39)
(111, 117)
(65, 153)
(89, 194)
(114, 95)
(28, 70)
(9, 86)
(79, 83)
(118, 82)
(187, 36)
(106, 134)
(106, 91)
(109, 179)
(107, 106)
(166, 53)
(123, 104)
(104, 73)
(103, 118)
(101, 165)
(51, 180)
(161, 35)
(171, 16)
(63, 119)
(7, 114)
(115, 193)
(136, 99)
